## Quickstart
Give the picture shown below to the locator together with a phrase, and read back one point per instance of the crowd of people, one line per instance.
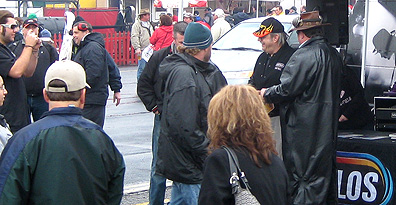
(65, 157)
(197, 115)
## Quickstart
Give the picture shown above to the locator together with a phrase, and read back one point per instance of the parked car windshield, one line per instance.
(241, 38)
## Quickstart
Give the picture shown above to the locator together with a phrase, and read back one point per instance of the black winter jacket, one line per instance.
(182, 146)
(268, 183)
(309, 96)
(114, 74)
(268, 70)
(149, 86)
(353, 104)
(91, 55)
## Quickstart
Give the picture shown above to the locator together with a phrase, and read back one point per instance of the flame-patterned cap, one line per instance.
(269, 25)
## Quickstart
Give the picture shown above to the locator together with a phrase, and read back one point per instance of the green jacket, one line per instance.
(61, 159)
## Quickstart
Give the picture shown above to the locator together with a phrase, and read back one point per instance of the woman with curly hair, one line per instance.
(238, 120)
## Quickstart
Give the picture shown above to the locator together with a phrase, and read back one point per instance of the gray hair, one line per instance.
(282, 38)
(179, 27)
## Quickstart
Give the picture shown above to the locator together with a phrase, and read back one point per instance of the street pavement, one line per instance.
(130, 126)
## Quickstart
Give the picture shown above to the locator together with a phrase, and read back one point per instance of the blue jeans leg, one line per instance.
(37, 106)
(157, 182)
(141, 65)
(185, 194)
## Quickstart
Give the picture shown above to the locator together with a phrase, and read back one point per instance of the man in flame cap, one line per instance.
(269, 65)
(309, 95)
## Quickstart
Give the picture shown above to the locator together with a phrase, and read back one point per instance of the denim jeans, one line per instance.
(157, 182)
(184, 194)
(37, 106)
(141, 65)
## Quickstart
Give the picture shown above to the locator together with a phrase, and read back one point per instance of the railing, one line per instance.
(118, 44)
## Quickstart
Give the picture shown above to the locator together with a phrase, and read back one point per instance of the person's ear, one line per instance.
(46, 98)
(82, 98)
(276, 38)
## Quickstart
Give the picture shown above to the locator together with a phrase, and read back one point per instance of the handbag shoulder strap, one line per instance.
(233, 170)
(236, 172)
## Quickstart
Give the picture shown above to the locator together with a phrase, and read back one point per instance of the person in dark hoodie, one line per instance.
(91, 55)
(149, 89)
(191, 80)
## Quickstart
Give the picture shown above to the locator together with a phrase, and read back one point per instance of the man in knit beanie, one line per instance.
(191, 80)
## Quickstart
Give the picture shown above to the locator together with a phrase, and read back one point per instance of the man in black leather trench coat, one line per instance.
(309, 101)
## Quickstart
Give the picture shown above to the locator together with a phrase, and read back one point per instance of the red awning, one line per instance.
(175, 4)
(158, 3)
(198, 3)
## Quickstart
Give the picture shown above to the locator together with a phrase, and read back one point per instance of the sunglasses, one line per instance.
(11, 26)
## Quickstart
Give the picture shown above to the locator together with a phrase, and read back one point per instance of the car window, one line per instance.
(242, 36)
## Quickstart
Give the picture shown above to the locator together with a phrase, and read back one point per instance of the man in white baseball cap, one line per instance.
(74, 160)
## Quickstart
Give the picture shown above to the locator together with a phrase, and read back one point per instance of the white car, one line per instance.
(236, 52)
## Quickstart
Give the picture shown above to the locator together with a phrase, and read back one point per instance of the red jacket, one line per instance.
(162, 37)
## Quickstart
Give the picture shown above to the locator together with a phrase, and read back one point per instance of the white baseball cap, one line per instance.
(71, 73)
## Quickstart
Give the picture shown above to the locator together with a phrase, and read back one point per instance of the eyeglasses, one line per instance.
(11, 26)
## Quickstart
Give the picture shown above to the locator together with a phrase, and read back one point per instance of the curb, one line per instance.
(130, 189)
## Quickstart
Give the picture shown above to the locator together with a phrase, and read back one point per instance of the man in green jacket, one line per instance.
(63, 158)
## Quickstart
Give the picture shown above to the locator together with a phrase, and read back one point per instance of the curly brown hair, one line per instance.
(190, 51)
(237, 119)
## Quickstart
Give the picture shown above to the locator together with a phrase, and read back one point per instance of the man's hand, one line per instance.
(33, 40)
(262, 91)
(117, 96)
(138, 52)
(342, 118)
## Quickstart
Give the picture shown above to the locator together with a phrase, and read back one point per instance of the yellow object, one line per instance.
(268, 107)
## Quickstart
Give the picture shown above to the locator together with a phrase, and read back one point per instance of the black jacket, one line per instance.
(269, 183)
(182, 145)
(208, 18)
(239, 17)
(47, 55)
(149, 85)
(353, 104)
(309, 96)
(268, 70)
(114, 74)
(91, 55)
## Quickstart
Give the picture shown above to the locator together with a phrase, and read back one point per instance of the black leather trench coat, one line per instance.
(309, 102)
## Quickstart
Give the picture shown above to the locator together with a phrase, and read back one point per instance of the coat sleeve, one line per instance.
(154, 37)
(114, 74)
(116, 185)
(296, 77)
(16, 187)
(183, 114)
(356, 91)
(135, 36)
(145, 86)
(215, 187)
(215, 30)
(252, 80)
(94, 63)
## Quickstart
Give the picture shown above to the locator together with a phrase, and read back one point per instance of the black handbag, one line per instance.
(242, 195)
